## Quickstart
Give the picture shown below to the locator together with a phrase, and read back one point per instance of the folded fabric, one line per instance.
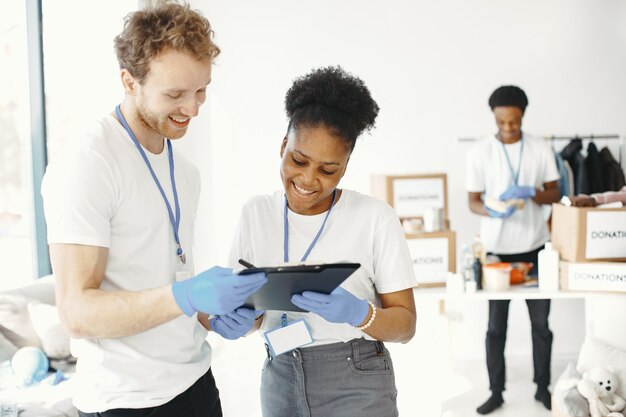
(54, 339)
(566, 396)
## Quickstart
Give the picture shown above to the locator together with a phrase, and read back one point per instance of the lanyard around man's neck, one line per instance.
(175, 221)
(514, 174)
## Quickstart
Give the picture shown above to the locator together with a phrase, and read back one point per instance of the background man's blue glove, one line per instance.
(340, 306)
(499, 214)
(235, 324)
(518, 191)
(215, 291)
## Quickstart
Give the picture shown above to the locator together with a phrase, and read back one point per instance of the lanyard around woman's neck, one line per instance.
(317, 236)
(175, 221)
(514, 174)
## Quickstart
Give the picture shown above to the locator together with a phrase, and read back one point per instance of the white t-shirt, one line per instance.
(359, 229)
(99, 192)
(488, 172)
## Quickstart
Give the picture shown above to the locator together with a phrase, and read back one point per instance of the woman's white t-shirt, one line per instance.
(359, 229)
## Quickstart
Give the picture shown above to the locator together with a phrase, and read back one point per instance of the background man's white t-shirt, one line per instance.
(487, 171)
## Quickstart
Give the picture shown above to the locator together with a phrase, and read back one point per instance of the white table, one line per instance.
(516, 292)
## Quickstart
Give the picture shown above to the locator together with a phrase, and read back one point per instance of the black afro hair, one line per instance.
(333, 98)
(508, 96)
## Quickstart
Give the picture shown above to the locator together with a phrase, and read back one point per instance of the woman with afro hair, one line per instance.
(346, 370)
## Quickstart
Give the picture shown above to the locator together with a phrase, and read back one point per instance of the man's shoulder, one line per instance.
(536, 144)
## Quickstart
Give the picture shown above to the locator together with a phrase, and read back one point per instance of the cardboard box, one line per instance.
(433, 255)
(583, 234)
(410, 195)
(593, 276)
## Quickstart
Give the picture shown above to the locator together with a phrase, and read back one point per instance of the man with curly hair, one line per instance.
(511, 165)
(120, 206)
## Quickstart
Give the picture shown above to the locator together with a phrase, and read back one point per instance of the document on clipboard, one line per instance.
(284, 281)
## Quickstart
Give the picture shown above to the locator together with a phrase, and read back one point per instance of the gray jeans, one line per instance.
(353, 379)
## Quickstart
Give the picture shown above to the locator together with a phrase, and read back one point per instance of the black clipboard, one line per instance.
(284, 281)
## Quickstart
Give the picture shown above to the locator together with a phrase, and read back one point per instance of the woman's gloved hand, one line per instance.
(235, 324)
(340, 306)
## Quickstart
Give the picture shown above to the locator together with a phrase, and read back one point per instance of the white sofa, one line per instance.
(28, 317)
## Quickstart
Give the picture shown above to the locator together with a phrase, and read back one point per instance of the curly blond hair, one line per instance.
(162, 26)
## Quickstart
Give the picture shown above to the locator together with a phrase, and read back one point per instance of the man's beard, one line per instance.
(151, 122)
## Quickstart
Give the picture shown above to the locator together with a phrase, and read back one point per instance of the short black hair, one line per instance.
(333, 98)
(508, 96)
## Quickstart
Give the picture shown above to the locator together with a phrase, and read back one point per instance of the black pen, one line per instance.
(246, 264)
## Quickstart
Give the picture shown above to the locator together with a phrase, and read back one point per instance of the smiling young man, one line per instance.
(120, 206)
(513, 165)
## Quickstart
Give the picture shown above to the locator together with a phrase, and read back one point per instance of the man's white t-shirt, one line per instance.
(359, 229)
(488, 172)
(99, 192)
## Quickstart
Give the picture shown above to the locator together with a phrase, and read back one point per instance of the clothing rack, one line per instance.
(590, 136)
(555, 137)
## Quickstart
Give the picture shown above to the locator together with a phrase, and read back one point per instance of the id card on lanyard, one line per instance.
(290, 336)
(184, 270)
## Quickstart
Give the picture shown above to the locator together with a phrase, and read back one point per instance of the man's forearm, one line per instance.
(547, 196)
(95, 313)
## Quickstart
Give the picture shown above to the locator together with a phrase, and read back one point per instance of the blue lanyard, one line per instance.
(319, 233)
(174, 221)
(514, 175)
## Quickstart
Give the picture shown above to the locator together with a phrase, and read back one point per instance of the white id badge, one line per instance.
(183, 270)
(290, 337)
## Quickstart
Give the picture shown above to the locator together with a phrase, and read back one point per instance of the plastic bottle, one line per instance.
(548, 264)
(478, 249)
(467, 259)
(477, 270)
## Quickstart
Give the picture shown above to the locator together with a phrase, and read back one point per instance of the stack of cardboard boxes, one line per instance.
(414, 197)
(592, 246)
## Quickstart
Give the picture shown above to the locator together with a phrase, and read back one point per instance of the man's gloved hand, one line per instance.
(340, 306)
(235, 324)
(215, 291)
(499, 214)
(518, 191)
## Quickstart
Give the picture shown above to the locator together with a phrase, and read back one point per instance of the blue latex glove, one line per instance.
(501, 215)
(215, 291)
(235, 324)
(340, 306)
(518, 191)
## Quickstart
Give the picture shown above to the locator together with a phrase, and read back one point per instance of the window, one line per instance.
(17, 265)
(82, 80)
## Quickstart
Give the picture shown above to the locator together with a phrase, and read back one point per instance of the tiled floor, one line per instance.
(518, 398)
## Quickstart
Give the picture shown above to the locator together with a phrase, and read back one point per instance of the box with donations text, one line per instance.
(411, 195)
(433, 256)
(593, 276)
(583, 234)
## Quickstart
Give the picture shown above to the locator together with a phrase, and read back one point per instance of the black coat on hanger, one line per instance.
(571, 153)
(593, 163)
(613, 174)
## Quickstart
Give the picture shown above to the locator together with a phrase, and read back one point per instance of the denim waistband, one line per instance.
(341, 349)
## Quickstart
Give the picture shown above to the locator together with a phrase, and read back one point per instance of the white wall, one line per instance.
(431, 66)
